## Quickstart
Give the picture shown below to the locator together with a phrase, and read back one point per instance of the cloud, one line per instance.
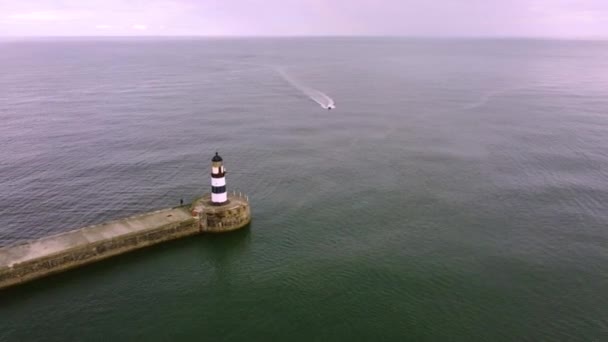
(48, 15)
(545, 18)
(39, 16)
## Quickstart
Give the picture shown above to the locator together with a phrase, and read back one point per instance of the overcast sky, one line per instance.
(530, 18)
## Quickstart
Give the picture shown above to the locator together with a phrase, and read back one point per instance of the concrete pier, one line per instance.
(35, 259)
(53, 254)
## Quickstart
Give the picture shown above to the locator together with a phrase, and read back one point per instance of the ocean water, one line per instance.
(458, 191)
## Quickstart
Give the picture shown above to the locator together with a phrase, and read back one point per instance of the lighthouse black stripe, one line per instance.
(218, 189)
(218, 175)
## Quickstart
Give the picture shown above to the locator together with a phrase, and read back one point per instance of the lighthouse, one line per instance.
(218, 181)
(219, 211)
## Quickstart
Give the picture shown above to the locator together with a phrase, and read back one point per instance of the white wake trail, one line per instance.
(319, 97)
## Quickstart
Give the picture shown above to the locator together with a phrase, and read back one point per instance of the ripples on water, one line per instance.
(457, 192)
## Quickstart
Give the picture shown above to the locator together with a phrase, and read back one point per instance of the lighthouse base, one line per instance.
(229, 216)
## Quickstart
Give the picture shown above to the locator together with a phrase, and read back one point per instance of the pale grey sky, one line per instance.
(523, 18)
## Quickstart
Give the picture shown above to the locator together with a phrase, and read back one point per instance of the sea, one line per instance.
(458, 191)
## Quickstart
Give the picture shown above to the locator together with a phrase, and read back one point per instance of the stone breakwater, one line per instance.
(57, 253)
(219, 219)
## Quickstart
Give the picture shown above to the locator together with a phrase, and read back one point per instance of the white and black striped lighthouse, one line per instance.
(219, 211)
(218, 181)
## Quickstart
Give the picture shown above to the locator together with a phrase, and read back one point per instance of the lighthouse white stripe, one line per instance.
(218, 181)
(219, 198)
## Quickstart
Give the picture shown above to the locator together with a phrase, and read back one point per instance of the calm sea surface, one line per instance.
(459, 191)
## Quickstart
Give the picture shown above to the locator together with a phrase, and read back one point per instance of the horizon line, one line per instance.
(235, 36)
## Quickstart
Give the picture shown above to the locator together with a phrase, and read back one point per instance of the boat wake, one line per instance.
(497, 93)
(319, 97)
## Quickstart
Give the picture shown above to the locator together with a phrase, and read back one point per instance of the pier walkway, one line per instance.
(59, 252)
